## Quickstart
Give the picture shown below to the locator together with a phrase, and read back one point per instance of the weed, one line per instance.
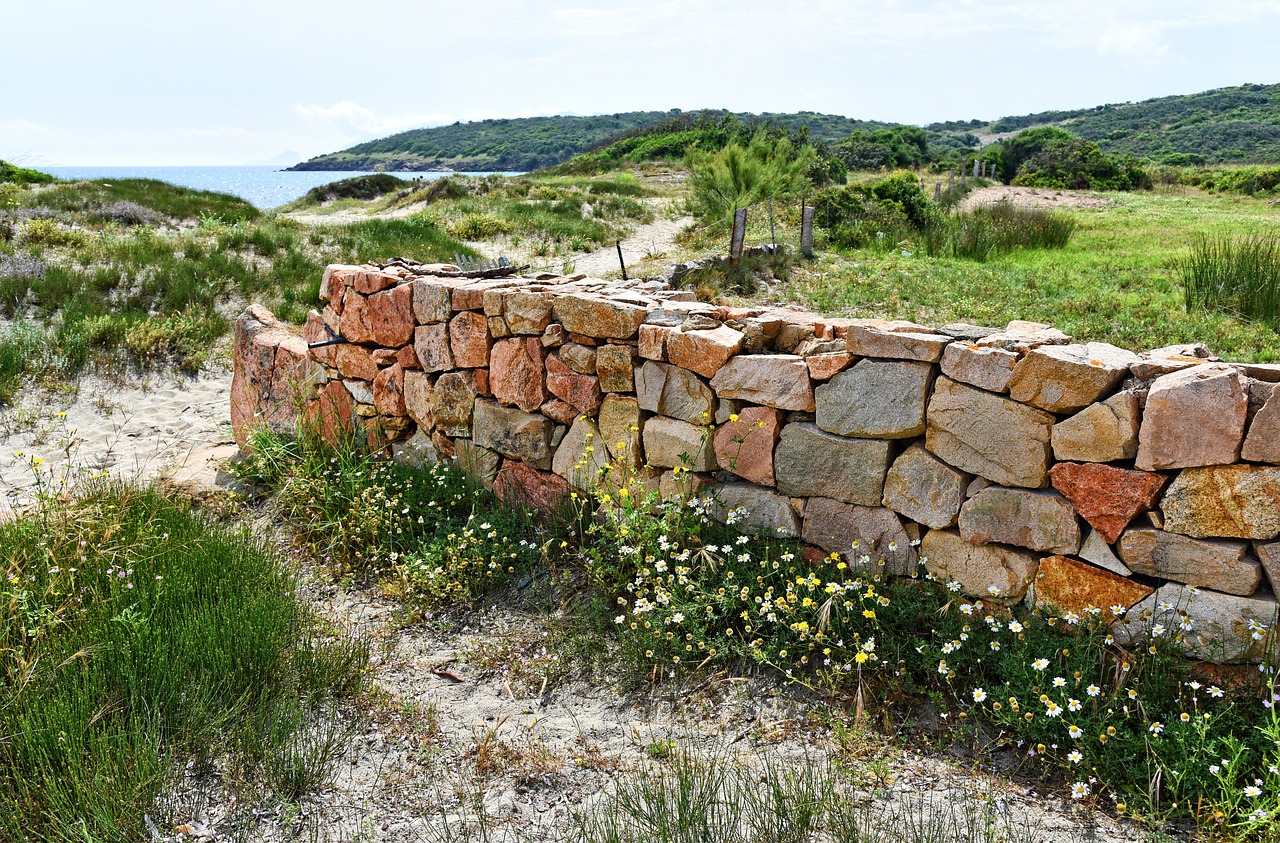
(1236, 275)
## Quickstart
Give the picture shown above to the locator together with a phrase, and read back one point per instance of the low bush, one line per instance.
(367, 187)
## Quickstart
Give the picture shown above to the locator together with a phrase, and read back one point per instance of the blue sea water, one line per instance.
(264, 187)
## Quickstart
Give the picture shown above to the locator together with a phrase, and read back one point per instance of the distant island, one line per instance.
(1228, 125)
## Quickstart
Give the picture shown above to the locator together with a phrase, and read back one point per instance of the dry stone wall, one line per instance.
(1012, 462)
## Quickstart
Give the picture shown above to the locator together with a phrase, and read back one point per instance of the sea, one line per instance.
(264, 187)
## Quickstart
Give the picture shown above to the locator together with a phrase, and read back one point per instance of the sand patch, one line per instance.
(1033, 197)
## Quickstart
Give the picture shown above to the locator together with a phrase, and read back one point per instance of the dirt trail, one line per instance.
(646, 241)
(1033, 197)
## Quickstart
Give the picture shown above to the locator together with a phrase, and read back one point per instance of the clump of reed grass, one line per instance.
(997, 229)
(1236, 274)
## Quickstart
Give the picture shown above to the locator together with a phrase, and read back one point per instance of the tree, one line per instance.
(736, 176)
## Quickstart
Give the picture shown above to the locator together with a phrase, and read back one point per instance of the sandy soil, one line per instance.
(167, 426)
(1033, 197)
(647, 241)
(452, 740)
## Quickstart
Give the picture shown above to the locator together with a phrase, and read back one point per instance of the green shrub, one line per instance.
(1077, 164)
(1236, 275)
(45, 231)
(361, 187)
(477, 227)
(22, 175)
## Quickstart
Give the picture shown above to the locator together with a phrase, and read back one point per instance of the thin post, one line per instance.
(975, 168)
(773, 241)
(621, 262)
(739, 234)
(937, 191)
(806, 231)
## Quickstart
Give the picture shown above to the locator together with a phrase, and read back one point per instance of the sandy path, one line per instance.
(1033, 197)
(169, 426)
(648, 240)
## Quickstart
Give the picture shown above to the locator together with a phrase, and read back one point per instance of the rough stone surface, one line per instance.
(1074, 586)
(269, 371)
(366, 282)
(418, 388)
(1102, 432)
(615, 367)
(418, 451)
(1213, 395)
(469, 340)
(598, 317)
(431, 345)
(1220, 564)
(866, 341)
(703, 352)
(527, 313)
(924, 488)
(620, 427)
(985, 368)
(670, 443)
(1220, 623)
(389, 316)
(1042, 521)
(827, 365)
(1094, 549)
(582, 392)
(1241, 501)
(388, 391)
(480, 463)
(987, 435)
(518, 484)
(1105, 496)
(653, 342)
(745, 446)
(978, 567)
(513, 433)
(560, 411)
(876, 399)
(867, 537)
(1269, 556)
(355, 361)
(809, 462)
(580, 358)
(1021, 336)
(775, 380)
(1263, 442)
(517, 373)
(431, 302)
(675, 392)
(581, 457)
(332, 413)
(1067, 378)
(755, 509)
(452, 403)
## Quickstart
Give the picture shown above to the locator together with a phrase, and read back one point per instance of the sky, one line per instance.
(158, 82)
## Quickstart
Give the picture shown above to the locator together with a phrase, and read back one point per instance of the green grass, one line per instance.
(167, 200)
(1235, 275)
(136, 636)
(1116, 281)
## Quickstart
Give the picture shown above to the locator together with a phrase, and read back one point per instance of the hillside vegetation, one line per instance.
(529, 143)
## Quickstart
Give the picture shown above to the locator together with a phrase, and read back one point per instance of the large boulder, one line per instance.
(1105, 496)
(987, 435)
(1220, 564)
(1241, 501)
(1213, 396)
(1102, 432)
(982, 570)
(809, 462)
(855, 532)
(596, 316)
(675, 392)
(1074, 586)
(1067, 378)
(1042, 521)
(744, 445)
(876, 399)
(512, 433)
(1204, 624)
(775, 380)
(924, 488)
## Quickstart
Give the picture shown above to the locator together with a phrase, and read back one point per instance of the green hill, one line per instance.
(528, 143)
(1226, 125)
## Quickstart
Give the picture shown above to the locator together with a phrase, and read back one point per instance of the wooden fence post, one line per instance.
(937, 191)
(806, 231)
(739, 234)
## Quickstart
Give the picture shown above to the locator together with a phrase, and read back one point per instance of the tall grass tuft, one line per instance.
(1239, 275)
(137, 636)
(997, 229)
